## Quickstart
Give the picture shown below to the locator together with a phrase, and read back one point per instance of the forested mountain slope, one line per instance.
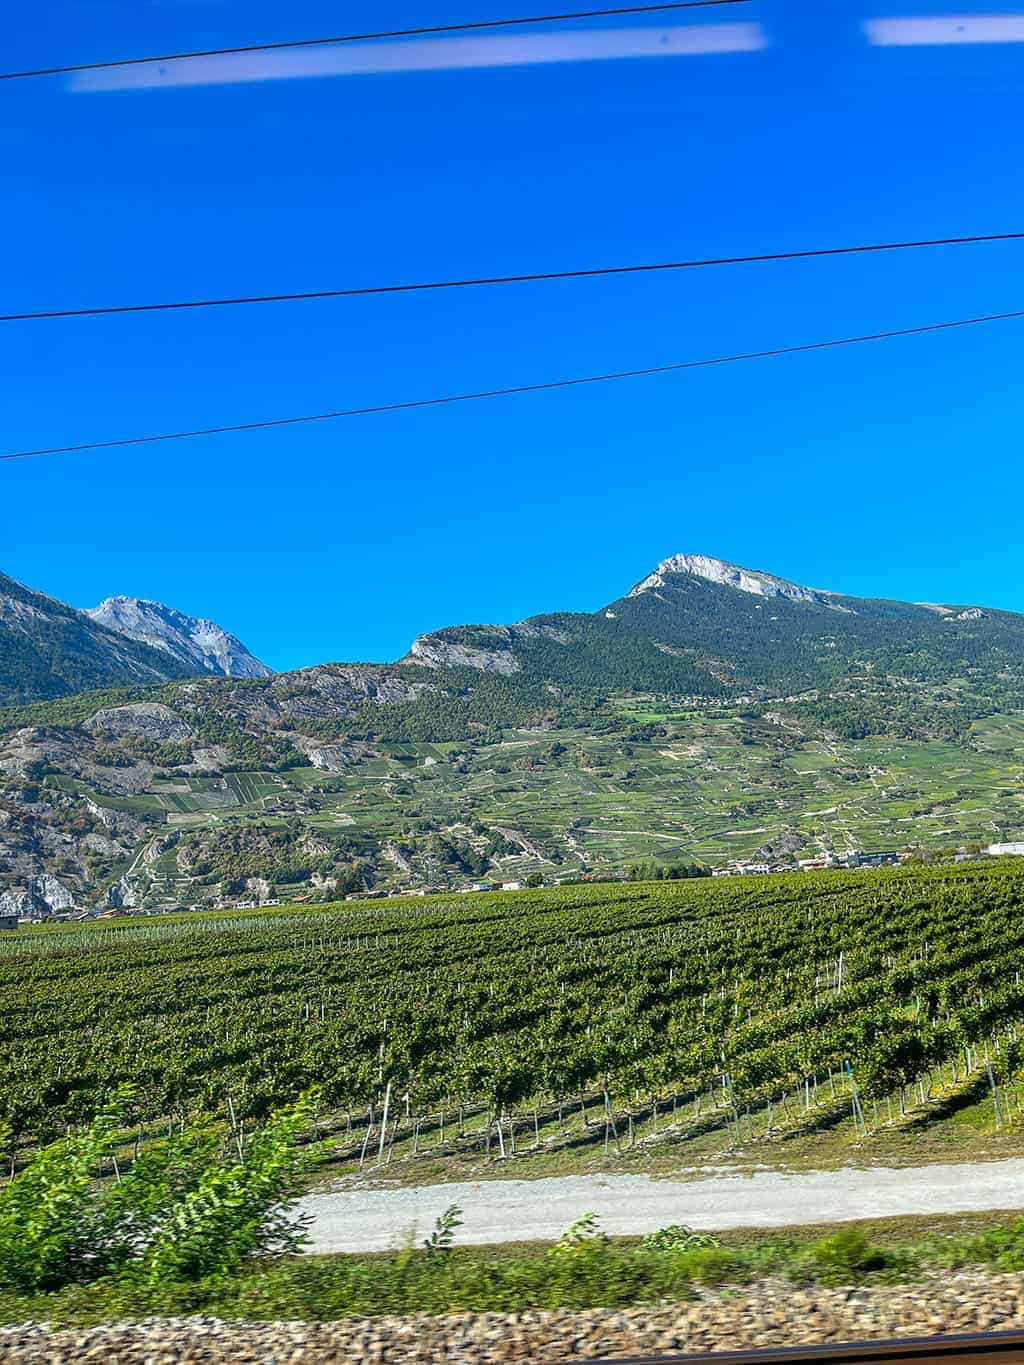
(682, 631)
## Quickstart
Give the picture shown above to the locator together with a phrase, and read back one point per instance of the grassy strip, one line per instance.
(588, 1272)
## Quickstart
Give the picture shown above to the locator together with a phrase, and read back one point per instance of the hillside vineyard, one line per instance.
(742, 1005)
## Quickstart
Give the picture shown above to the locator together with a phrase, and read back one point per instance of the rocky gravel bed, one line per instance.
(769, 1314)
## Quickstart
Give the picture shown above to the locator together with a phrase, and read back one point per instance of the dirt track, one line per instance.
(526, 1210)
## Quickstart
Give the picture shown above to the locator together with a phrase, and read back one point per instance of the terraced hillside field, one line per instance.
(649, 783)
(792, 1015)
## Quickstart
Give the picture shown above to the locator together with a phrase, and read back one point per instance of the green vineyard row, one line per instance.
(742, 988)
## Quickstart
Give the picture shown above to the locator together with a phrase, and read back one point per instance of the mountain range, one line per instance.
(48, 649)
(711, 712)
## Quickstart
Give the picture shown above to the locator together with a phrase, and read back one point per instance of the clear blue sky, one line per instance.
(889, 470)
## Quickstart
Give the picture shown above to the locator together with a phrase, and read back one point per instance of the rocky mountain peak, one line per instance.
(191, 640)
(728, 575)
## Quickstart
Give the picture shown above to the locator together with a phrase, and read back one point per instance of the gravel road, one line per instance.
(528, 1210)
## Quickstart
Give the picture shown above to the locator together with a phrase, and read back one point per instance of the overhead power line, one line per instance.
(542, 277)
(512, 391)
(432, 30)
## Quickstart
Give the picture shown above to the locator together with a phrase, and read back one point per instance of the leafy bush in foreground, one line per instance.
(50, 1214)
(678, 1237)
(1002, 1248)
(183, 1212)
(594, 1272)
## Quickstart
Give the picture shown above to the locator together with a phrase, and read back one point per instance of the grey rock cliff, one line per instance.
(189, 639)
(732, 576)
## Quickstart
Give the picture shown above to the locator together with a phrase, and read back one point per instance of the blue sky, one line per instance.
(887, 470)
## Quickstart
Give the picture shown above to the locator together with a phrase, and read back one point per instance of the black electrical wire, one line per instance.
(543, 277)
(512, 391)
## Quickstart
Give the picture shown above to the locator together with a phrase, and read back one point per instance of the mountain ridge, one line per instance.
(673, 607)
(755, 581)
(698, 609)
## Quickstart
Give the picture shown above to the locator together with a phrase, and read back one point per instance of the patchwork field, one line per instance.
(710, 787)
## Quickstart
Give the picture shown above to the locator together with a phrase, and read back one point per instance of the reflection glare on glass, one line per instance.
(945, 30)
(444, 54)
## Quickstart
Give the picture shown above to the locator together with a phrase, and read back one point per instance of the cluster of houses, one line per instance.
(855, 858)
(565, 879)
(243, 905)
(12, 921)
(438, 890)
(819, 863)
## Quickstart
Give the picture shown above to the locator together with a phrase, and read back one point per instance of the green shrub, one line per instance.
(441, 1240)
(707, 1265)
(845, 1256)
(184, 1212)
(678, 1237)
(596, 1272)
(230, 1212)
(1002, 1248)
(48, 1213)
(580, 1238)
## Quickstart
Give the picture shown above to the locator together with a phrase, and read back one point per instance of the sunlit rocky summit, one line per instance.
(191, 640)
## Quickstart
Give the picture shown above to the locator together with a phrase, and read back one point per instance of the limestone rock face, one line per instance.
(19, 902)
(488, 649)
(332, 758)
(42, 896)
(731, 576)
(435, 651)
(330, 690)
(53, 892)
(150, 719)
(121, 896)
(191, 640)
